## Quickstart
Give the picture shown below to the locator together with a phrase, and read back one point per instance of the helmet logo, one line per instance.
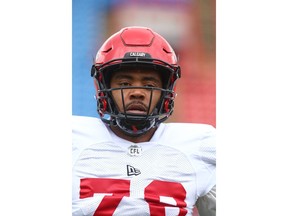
(142, 54)
(137, 54)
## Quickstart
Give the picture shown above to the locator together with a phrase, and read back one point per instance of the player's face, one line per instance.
(137, 100)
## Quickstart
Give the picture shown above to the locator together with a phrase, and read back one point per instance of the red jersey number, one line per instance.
(169, 189)
(118, 188)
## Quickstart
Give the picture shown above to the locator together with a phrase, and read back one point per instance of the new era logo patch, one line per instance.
(132, 171)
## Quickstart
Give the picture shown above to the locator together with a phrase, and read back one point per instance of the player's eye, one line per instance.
(124, 84)
(149, 85)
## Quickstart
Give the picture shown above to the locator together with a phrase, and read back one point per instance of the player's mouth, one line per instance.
(136, 108)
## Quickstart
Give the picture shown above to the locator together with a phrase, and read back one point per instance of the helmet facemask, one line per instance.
(135, 124)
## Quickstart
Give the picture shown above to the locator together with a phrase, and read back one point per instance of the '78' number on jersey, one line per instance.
(118, 188)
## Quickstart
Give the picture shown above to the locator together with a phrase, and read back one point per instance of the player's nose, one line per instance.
(137, 93)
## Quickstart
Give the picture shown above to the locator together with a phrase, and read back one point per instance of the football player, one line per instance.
(129, 161)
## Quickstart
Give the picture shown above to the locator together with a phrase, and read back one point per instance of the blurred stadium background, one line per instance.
(189, 26)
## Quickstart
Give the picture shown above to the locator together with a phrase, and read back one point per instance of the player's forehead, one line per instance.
(136, 72)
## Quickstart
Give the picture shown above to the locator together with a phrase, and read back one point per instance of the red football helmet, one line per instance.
(140, 47)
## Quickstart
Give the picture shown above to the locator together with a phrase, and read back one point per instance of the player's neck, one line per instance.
(143, 138)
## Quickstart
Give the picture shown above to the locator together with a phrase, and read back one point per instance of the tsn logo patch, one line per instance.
(132, 171)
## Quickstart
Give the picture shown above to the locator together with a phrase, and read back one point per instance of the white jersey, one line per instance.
(162, 177)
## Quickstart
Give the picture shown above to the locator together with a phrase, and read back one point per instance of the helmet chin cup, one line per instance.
(135, 126)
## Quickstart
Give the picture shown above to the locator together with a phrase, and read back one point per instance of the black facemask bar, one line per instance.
(137, 124)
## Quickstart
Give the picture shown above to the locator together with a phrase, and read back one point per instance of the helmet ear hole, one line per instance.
(93, 71)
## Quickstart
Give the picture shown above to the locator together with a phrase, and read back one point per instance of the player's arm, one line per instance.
(206, 204)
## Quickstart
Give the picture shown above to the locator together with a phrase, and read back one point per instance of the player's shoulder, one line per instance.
(188, 129)
(190, 138)
(88, 129)
(80, 121)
